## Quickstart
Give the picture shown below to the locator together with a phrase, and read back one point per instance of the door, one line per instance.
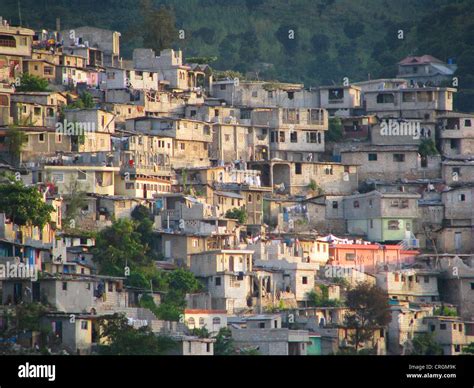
(458, 242)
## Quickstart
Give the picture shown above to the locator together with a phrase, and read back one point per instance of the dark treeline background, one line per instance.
(333, 38)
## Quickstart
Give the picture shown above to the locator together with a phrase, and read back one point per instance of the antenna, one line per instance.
(19, 13)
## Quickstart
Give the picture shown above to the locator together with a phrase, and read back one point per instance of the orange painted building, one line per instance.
(369, 257)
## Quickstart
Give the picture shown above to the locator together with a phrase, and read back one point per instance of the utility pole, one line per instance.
(19, 13)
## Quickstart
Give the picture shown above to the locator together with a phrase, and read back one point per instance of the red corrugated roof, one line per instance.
(413, 60)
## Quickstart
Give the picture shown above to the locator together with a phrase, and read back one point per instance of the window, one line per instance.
(462, 197)
(282, 137)
(191, 323)
(84, 325)
(442, 326)
(467, 123)
(385, 98)
(216, 321)
(396, 277)
(298, 168)
(372, 157)
(294, 137)
(201, 321)
(218, 281)
(110, 287)
(356, 204)
(393, 225)
(64, 286)
(208, 347)
(41, 137)
(426, 279)
(254, 94)
(311, 137)
(335, 94)
(409, 97)
(398, 158)
(472, 286)
(350, 256)
(7, 41)
(272, 137)
(81, 176)
(304, 280)
(371, 224)
(261, 325)
(335, 204)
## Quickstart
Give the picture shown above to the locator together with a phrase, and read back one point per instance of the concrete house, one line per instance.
(413, 285)
(265, 333)
(425, 69)
(15, 44)
(340, 100)
(407, 322)
(457, 233)
(294, 178)
(452, 333)
(38, 109)
(456, 133)
(381, 216)
(456, 283)
(295, 134)
(390, 162)
(228, 277)
(107, 41)
(257, 94)
(212, 320)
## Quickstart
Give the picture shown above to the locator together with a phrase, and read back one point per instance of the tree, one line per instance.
(335, 130)
(123, 339)
(369, 310)
(469, 349)
(159, 26)
(85, 101)
(320, 43)
(24, 205)
(287, 35)
(224, 345)
(424, 344)
(427, 147)
(77, 199)
(32, 83)
(237, 214)
(15, 140)
(119, 245)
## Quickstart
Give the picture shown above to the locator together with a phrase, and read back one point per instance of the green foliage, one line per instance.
(85, 101)
(28, 316)
(24, 204)
(334, 133)
(159, 30)
(200, 332)
(15, 140)
(238, 214)
(76, 200)
(313, 186)
(469, 349)
(319, 297)
(201, 60)
(120, 245)
(424, 345)
(427, 147)
(446, 311)
(224, 345)
(123, 339)
(333, 39)
(369, 310)
(32, 83)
